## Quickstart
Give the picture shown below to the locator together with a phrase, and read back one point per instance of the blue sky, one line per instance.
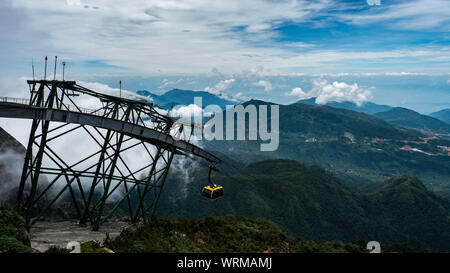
(397, 52)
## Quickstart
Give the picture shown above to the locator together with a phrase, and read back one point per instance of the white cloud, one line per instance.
(186, 112)
(224, 85)
(415, 15)
(265, 84)
(161, 37)
(220, 88)
(11, 164)
(73, 2)
(299, 44)
(14, 87)
(298, 93)
(238, 95)
(258, 27)
(166, 83)
(325, 92)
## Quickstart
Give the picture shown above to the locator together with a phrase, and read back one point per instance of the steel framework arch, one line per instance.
(102, 179)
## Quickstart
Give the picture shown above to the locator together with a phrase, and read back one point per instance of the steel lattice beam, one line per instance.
(116, 127)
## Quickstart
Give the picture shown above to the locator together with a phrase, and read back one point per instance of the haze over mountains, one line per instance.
(12, 154)
(184, 97)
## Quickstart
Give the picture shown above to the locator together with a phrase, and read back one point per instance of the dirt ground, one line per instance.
(44, 234)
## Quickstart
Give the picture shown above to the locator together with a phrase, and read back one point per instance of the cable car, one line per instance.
(212, 191)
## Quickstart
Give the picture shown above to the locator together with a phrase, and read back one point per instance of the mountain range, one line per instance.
(176, 97)
(368, 107)
(435, 123)
(313, 204)
(361, 148)
(364, 144)
(337, 174)
(410, 119)
(443, 115)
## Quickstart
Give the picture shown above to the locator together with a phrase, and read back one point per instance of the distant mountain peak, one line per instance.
(443, 115)
(257, 102)
(404, 181)
(411, 119)
(144, 93)
(366, 107)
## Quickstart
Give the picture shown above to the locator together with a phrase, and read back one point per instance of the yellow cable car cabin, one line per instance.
(212, 192)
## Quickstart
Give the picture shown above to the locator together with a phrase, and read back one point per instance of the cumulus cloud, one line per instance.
(325, 92)
(265, 84)
(186, 112)
(297, 92)
(220, 88)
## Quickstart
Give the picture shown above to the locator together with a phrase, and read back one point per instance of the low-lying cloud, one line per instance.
(11, 164)
(186, 112)
(325, 92)
(220, 88)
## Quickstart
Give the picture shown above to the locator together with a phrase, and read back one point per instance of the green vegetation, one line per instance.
(92, 247)
(56, 249)
(405, 204)
(13, 235)
(313, 204)
(225, 234)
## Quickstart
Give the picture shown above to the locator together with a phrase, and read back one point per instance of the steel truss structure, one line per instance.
(108, 175)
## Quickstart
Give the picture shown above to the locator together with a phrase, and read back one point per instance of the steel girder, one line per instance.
(105, 177)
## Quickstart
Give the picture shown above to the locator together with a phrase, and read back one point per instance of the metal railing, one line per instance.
(65, 107)
(15, 100)
(73, 108)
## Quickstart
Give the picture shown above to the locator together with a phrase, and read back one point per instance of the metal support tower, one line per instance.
(107, 176)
